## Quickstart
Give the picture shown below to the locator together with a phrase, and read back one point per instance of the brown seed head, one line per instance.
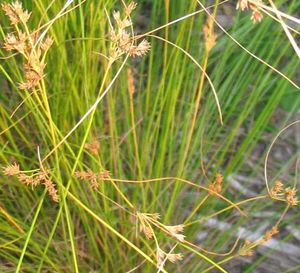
(141, 49)
(276, 189)
(160, 257)
(13, 42)
(174, 257)
(130, 8)
(256, 16)
(269, 234)
(130, 82)
(219, 178)
(93, 147)
(52, 192)
(290, 196)
(11, 170)
(15, 12)
(176, 231)
(45, 45)
(209, 35)
(246, 250)
(148, 232)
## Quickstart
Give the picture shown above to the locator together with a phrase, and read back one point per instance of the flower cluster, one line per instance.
(289, 194)
(276, 189)
(246, 249)
(16, 13)
(269, 234)
(92, 177)
(123, 42)
(93, 147)
(162, 256)
(147, 221)
(25, 43)
(34, 179)
(256, 13)
(216, 186)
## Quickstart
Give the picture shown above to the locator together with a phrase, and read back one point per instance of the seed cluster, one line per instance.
(40, 177)
(147, 223)
(216, 185)
(288, 194)
(24, 42)
(256, 13)
(92, 177)
(122, 41)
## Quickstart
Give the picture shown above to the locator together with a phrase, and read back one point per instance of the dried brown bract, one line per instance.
(148, 232)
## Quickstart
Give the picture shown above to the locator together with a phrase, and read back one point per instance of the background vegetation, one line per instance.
(158, 119)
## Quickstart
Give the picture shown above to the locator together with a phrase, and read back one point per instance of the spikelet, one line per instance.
(141, 49)
(162, 256)
(176, 232)
(45, 45)
(256, 15)
(15, 12)
(269, 234)
(130, 8)
(246, 250)
(92, 177)
(242, 4)
(148, 232)
(276, 189)
(11, 170)
(93, 147)
(15, 42)
(34, 72)
(51, 190)
(290, 195)
(209, 35)
(130, 82)
(216, 186)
